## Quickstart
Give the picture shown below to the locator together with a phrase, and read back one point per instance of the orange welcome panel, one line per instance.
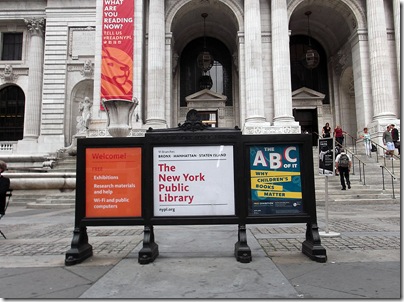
(113, 182)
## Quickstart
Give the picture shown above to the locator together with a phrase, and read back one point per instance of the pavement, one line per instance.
(198, 261)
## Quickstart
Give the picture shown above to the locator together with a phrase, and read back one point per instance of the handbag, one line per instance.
(374, 149)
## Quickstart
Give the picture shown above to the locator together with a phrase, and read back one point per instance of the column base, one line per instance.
(155, 124)
(266, 128)
(286, 120)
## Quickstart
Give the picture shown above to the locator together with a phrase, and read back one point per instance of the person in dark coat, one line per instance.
(395, 137)
(4, 187)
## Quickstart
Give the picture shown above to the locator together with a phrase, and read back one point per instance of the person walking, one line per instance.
(367, 141)
(388, 141)
(339, 135)
(396, 138)
(326, 130)
(343, 164)
(4, 187)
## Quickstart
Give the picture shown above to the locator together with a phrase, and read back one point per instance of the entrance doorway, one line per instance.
(307, 119)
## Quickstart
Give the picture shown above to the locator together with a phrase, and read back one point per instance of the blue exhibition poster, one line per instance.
(276, 186)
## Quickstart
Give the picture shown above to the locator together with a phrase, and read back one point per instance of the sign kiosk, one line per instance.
(194, 175)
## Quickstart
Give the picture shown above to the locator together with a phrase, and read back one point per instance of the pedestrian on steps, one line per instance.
(366, 141)
(343, 164)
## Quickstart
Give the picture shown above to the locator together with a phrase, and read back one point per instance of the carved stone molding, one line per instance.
(104, 133)
(9, 74)
(257, 129)
(35, 26)
(88, 69)
(80, 41)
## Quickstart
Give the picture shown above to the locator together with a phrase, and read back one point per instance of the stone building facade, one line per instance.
(261, 78)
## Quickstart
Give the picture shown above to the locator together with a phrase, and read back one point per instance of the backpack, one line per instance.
(343, 161)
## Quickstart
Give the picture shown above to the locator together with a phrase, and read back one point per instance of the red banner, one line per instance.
(117, 49)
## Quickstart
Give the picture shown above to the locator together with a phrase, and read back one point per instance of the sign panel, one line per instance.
(113, 182)
(193, 181)
(117, 49)
(275, 180)
(326, 156)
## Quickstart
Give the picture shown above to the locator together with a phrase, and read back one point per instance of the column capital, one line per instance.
(35, 26)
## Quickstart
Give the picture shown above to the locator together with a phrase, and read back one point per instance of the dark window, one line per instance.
(220, 72)
(12, 47)
(12, 103)
(317, 78)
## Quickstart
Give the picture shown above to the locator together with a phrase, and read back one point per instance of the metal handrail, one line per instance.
(353, 140)
(384, 157)
(363, 164)
(353, 156)
(392, 180)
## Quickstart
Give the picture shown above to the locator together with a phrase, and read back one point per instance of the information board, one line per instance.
(113, 182)
(276, 186)
(193, 180)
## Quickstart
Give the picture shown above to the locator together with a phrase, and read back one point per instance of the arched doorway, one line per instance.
(12, 106)
(330, 27)
(221, 32)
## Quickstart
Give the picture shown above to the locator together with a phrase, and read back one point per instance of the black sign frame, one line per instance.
(190, 135)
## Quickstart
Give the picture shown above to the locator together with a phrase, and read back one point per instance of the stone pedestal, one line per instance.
(119, 113)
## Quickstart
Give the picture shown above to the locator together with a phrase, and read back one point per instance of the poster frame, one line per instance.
(82, 145)
(162, 138)
(308, 213)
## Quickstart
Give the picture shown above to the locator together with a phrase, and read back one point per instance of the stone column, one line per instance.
(155, 93)
(253, 66)
(168, 78)
(362, 79)
(379, 61)
(281, 64)
(138, 64)
(396, 13)
(32, 116)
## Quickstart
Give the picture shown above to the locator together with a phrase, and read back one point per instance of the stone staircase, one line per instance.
(365, 188)
(54, 199)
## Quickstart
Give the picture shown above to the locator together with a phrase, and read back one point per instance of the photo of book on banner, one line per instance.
(326, 156)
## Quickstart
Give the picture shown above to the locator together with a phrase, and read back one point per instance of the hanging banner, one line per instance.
(326, 156)
(117, 49)
(276, 186)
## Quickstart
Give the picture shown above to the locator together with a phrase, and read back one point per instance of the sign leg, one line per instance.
(150, 249)
(80, 248)
(312, 247)
(241, 250)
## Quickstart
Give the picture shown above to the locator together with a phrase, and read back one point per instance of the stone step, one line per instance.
(43, 205)
(358, 201)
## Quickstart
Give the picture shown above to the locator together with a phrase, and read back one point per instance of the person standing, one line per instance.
(388, 141)
(395, 136)
(367, 141)
(327, 130)
(4, 187)
(343, 164)
(339, 135)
